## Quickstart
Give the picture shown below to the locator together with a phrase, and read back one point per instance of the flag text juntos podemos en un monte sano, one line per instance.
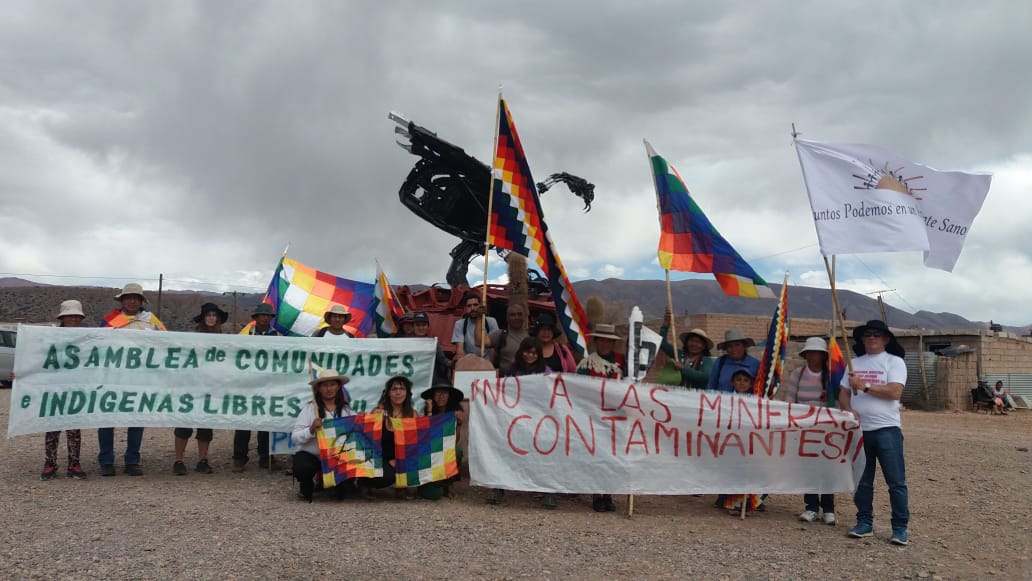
(70, 356)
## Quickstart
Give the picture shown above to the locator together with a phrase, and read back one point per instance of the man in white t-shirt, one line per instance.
(872, 393)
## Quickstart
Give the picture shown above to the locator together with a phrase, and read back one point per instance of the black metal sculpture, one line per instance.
(449, 188)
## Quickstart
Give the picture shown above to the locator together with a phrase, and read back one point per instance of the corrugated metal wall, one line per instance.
(912, 391)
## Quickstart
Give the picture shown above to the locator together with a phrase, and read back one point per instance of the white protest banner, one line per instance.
(580, 434)
(68, 378)
(865, 198)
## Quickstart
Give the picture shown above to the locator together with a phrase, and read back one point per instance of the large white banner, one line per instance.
(865, 198)
(67, 378)
(573, 433)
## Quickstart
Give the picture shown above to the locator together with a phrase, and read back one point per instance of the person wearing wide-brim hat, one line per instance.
(211, 318)
(871, 392)
(443, 397)
(329, 401)
(336, 317)
(736, 356)
(69, 315)
(556, 356)
(809, 385)
(131, 314)
(693, 360)
(395, 403)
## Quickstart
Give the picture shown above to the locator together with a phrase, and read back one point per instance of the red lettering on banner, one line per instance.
(732, 440)
(831, 443)
(826, 412)
(714, 405)
(631, 395)
(672, 434)
(743, 406)
(512, 425)
(793, 419)
(556, 393)
(537, 432)
(712, 440)
(570, 422)
(603, 392)
(652, 396)
(757, 438)
(612, 428)
(505, 392)
(642, 441)
(805, 439)
(770, 413)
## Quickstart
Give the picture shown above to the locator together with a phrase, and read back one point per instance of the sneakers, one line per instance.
(808, 516)
(861, 531)
(179, 469)
(203, 467)
(133, 470)
(829, 518)
(107, 469)
(550, 502)
(239, 466)
(900, 538)
(49, 472)
(76, 472)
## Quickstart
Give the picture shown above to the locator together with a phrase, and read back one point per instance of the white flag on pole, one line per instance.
(867, 199)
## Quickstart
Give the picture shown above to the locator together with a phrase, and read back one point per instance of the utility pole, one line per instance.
(881, 303)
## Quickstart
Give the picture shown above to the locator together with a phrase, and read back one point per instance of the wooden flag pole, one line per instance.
(838, 314)
(487, 238)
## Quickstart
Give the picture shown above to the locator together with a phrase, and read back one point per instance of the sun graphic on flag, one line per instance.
(884, 178)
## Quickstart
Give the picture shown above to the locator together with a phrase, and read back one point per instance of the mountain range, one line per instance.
(23, 300)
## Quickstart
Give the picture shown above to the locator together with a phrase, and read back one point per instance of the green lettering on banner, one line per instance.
(128, 403)
(72, 355)
(94, 358)
(241, 354)
(51, 359)
(172, 358)
(113, 357)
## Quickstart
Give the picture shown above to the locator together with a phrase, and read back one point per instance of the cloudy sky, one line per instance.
(198, 139)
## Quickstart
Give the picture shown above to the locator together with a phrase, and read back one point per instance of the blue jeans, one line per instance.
(885, 447)
(106, 440)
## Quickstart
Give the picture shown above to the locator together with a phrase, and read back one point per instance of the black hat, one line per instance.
(211, 308)
(893, 347)
(546, 320)
(453, 392)
(419, 317)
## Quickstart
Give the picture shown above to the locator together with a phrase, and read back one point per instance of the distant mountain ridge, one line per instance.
(22, 300)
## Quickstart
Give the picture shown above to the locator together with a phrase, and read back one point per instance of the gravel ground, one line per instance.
(970, 499)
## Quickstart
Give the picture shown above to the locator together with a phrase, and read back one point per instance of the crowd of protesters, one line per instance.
(871, 393)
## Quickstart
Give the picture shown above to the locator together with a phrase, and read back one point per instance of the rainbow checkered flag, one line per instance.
(689, 242)
(302, 295)
(518, 224)
(349, 447)
(386, 310)
(424, 449)
(768, 376)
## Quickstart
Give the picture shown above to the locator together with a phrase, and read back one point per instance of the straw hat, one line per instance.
(324, 375)
(698, 333)
(605, 331)
(131, 289)
(69, 308)
(337, 310)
